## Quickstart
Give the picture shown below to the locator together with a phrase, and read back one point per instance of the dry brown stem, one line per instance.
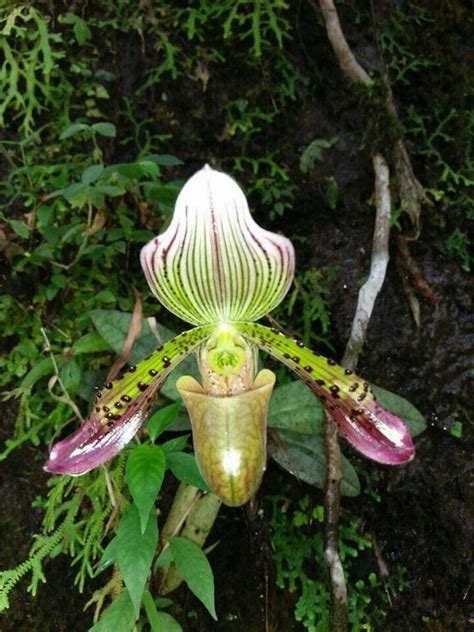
(132, 334)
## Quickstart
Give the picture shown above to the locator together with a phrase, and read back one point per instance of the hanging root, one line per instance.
(378, 265)
(411, 196)
(413, 279)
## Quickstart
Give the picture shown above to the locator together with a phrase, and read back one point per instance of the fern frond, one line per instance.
(44, 546)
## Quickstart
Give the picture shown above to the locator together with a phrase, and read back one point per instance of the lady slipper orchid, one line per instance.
(217, 269)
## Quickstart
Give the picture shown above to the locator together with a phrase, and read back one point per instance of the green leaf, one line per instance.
(159, 621)
(40, 369)
(119, 616)
(165, 194)
(76, 194)
(196, 571)
(108, 556)
(149, 168)
(165, 559)
(92, 173)
(164, 160)
(73, 129)
(294, 407)
(20, 228)
(110, 190)
(178, 444)
(105, 296)
(414, 420)
(184, 467)
(81, 31)
(144, 473)
(135, 552)
(105, 129)
(71, 375)
(313, 153)
(303, 456)
(113, 326)
(90, 343)
(187, 367)
(162, 419)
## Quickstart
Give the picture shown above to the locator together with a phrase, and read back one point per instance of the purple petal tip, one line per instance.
(91, 445)
(379, 435)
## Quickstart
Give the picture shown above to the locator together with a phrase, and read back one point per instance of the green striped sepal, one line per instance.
(214, 263)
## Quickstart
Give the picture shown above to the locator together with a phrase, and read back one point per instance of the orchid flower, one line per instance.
(216, 268)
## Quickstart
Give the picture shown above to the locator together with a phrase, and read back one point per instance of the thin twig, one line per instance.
(65, 399)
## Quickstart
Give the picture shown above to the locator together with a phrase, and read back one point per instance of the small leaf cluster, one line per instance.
(297, 537)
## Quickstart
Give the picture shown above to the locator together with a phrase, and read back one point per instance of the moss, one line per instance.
(382, 127)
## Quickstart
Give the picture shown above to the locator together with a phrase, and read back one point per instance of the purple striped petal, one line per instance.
(121, 408)
(372, 429)
(214, 263)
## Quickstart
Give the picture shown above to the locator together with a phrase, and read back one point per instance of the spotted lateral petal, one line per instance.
(214, 263)
(372, 429)
(121, 408)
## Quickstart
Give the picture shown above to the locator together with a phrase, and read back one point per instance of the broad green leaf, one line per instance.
(294, 407)
(178, 444)
(196, 571)
(92, 173)
(73, 129)
(70, 374)
(165, 559)
(135, 552)
(105, 129)
(119, 616)
(108, 556)
(158, 620)
(181, 423)
(144, 473)
(184, 467)
(105, 296)
(165, 194)
(20, 228)
(414, 420)
(303, 456)
(149, 168)
(77, 194)
(186, 367)
(163, 418)
(89, 380)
